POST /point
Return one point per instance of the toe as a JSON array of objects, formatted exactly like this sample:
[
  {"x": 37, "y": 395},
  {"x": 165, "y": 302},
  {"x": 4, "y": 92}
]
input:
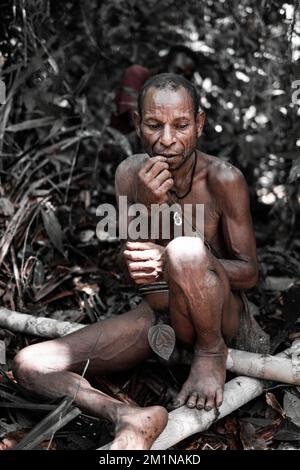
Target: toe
[
  {"x": 210, "y": 403},
  {"x": 191, "y": 403},
  {"x": 219, "y": 398},
  {"x": 181, "y": 398},
  {"x": 200, "y": 403}
]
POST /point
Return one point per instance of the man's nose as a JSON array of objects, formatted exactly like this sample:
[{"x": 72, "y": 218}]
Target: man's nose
[{"x": 167, "y": 137}]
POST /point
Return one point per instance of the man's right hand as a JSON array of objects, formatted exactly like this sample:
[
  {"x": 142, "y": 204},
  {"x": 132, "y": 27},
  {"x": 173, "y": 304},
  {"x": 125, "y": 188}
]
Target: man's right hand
[
  {"x": 144, "y": 261},
  {"x": 154, "y": 181}
]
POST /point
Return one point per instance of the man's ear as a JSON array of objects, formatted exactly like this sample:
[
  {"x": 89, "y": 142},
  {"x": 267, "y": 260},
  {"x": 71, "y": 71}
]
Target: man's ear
[
  {"x": 200, "y": 120},
  {"x": 137, "y": 122}
]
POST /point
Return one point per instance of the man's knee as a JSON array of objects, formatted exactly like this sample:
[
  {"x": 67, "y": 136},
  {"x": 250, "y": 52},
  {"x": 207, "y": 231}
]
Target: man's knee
[
  {"x": 186, "y": 255},
  {"x": 27, "y": 365}
]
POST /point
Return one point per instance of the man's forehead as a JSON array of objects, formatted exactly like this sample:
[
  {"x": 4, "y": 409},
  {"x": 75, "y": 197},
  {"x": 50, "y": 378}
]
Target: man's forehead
[{"x": 157, "y": 100}]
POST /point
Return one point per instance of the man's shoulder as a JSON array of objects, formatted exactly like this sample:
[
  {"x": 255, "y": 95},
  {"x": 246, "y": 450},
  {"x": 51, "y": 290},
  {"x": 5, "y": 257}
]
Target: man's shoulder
[
  {"x": 223, "y": 174},
  {"x": 226, "y": 183}
]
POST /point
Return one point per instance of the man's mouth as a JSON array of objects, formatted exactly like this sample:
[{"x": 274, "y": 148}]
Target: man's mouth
[{"x": 170, "y": 155}]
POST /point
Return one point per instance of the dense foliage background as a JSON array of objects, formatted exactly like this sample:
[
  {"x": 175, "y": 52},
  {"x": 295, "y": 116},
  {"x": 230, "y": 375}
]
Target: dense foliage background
[{"x": 62, "y": 63}]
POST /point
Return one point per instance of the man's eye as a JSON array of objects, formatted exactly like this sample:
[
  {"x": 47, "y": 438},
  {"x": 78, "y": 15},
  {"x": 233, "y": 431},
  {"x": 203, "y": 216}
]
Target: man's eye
[
  {"x": 182, "y": 126},
  {"x": 154, "y": 126}
]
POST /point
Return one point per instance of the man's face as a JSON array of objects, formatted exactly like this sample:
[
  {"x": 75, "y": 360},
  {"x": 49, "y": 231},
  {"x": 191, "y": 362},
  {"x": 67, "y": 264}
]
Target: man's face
[
  {"x": 169, "y": 126},
  {"x": 182, "y": 65}
]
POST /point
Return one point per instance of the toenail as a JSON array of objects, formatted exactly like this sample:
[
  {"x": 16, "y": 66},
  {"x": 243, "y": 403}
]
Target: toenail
[{"x": 208, "y": 408}]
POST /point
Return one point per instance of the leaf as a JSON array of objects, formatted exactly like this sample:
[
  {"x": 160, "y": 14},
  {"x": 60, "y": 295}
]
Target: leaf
[
  {"x": 52, "y": 227},
  {"x": 249, "y": 439},
  {"x": 273, "y": 403},
  {"x": 50, "y": 286},
  {"x": 2, "y": 352},
  {"x": 277, "y": 283},
  {"x": 291, "y": 405},
  {"x": 287, "y": 432},
  {"x": 6, "y": 206},
  {"x": 38, "y": 275},
  {"x": 7, "y": 427},
  {"x": 86, "y": 236},
  {"x": 162, "y": 340},
  {"x": 291, "y": 303},
  {"x": 294, "y": 171},
  {"x": 120, "y": 139},
  {"x": 30, "y": 124}
]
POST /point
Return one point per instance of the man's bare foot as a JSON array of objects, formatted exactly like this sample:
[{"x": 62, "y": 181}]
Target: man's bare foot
[
  {"x": 137, "y": 428},
  {"x": 205, "y": 385}
]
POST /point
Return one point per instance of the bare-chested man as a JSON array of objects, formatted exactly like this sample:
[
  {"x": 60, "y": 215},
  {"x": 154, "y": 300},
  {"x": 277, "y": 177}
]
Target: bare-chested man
[{"x": 203, "y": 297}]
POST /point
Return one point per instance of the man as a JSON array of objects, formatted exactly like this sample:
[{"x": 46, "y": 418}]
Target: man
[
  {"x": 204, "y": 278},
  {"x": 181, "y": 60}
]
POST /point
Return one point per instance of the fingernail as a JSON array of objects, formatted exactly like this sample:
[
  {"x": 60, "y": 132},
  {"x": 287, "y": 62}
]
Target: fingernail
[{"x": 208, "y": 408}]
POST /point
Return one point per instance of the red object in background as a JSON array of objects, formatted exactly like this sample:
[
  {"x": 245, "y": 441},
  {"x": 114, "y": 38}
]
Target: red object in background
[{"x": 134, "y": 77}]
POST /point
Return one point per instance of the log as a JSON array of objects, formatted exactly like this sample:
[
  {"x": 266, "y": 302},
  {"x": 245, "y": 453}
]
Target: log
[
  {"x": 184, "y": 422},
  {"x": 265, "y": 366},
  {"x": 36, "y": 326}
]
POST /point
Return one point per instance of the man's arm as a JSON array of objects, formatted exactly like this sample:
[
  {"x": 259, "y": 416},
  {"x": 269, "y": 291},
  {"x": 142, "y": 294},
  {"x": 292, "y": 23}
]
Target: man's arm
[
  {"x": 236, "y": 221},
  {"x": 140, "y": 260},
  {"x": 124, "y": 184}
]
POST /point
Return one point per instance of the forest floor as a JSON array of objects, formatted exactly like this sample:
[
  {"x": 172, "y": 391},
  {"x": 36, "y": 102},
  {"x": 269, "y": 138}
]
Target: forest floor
[{"x": 70, "y": 275}]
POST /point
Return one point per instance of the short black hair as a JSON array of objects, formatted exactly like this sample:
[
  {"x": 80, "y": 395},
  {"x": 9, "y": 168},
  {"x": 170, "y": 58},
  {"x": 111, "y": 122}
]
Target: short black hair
[{"x": 168, "y": 81}]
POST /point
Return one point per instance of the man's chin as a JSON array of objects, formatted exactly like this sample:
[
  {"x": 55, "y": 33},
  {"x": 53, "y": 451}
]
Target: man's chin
[{"x": 176, "y": 162}]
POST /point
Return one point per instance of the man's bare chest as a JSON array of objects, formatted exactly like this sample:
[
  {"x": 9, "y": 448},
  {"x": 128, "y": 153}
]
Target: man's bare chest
[{"x": 195, "y": 215}]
